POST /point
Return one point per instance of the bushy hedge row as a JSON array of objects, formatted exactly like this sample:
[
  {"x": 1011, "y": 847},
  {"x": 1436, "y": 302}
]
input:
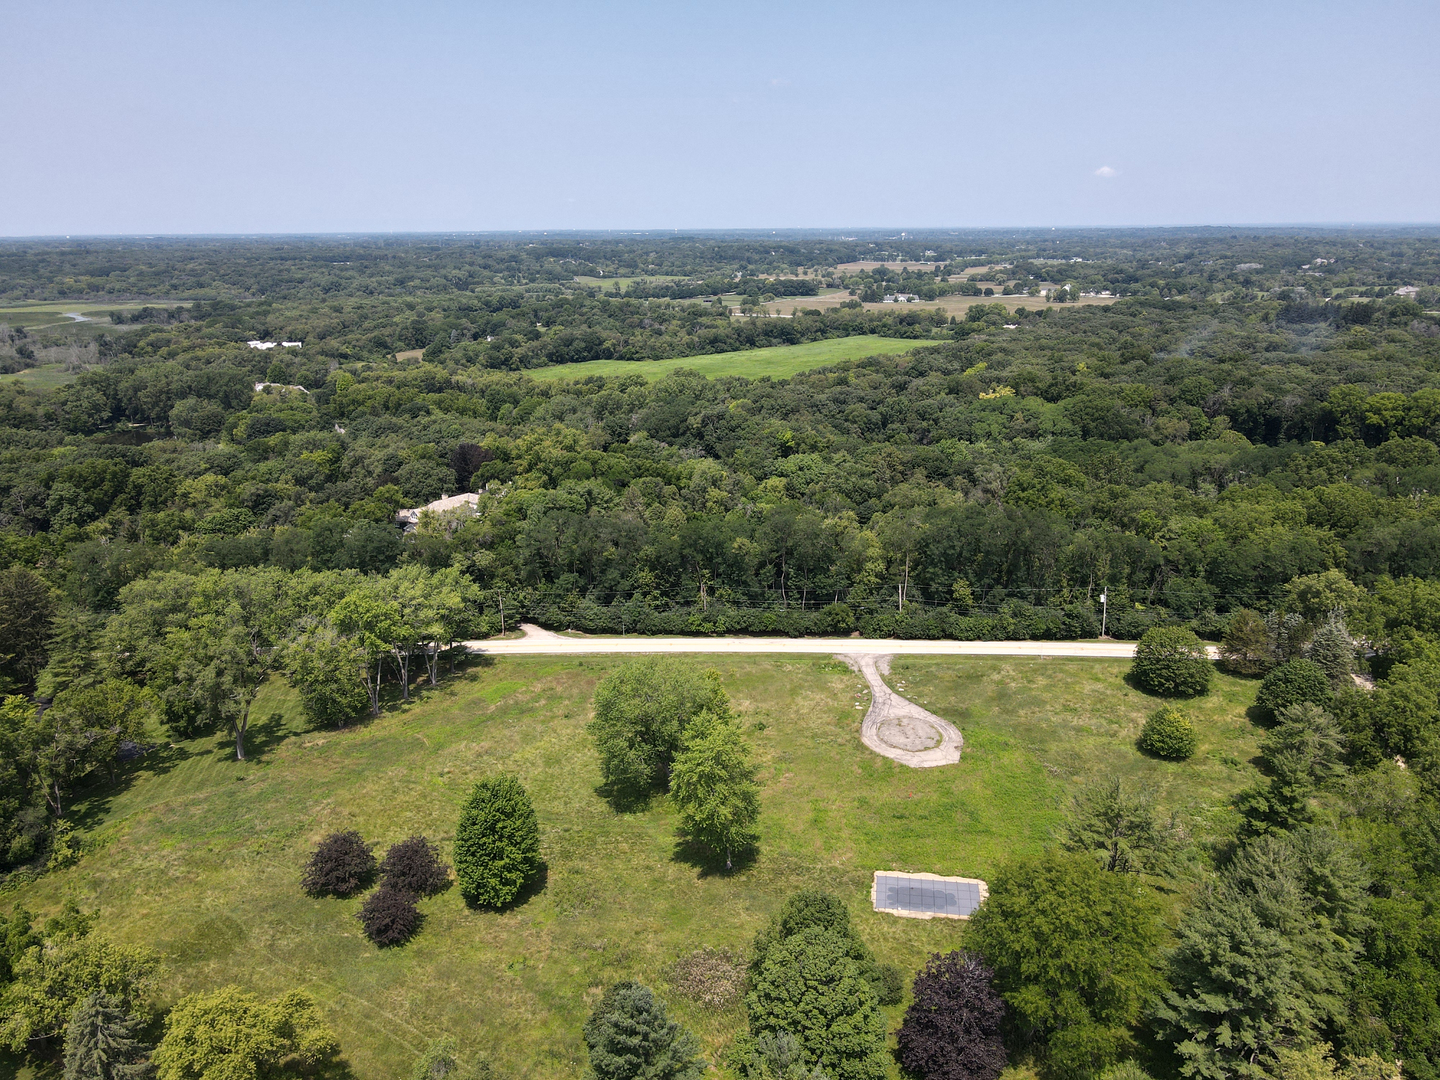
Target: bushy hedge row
[{"x": 1015, "y": 621}]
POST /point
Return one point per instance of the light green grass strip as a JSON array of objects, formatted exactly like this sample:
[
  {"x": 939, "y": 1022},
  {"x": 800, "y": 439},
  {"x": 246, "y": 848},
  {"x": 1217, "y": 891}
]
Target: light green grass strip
[
  {"x": 779, "y": 362},
  {"x": 45, "y": 377}
]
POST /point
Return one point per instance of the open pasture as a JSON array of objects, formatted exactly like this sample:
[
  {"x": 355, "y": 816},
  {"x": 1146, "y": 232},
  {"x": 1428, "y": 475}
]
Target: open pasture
[
  {"x": 44, "y": 377},
  {"x": 40, "y": 314},
  {"x": 198, "y": 856},
  {"x": 779, "y": 362}
]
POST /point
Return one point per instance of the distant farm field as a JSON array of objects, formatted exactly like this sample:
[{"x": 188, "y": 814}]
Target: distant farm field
[
  {"x": 952, "y": 305},
  {"x": 39, "y": 314},
  {"x": 778, "y": 362},
  {"x": 45, "y": 377},
  {"x": 198, "y": 857}
]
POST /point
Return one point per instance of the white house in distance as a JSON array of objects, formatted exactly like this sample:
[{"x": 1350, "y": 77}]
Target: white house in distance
[
  {"x": 263, "y": 345},
  {"x": 410, "y": 518}
]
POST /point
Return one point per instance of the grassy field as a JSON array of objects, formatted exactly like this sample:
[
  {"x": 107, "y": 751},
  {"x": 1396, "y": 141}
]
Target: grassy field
[
  {"x": 198, "y": 856},
  {"x": 779, "y": 362},
  {"x": 950, "y": 305},
  {"x": 38, "y": 314},
  {"x": 45, "y": 377}
]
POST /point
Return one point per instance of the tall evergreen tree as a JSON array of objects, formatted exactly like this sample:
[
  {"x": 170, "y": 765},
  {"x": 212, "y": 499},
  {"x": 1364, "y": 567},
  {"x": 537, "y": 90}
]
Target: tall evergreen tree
[
  {"x": 1119, "y": 826},
  {"x": 100, "y": 1042},
  {"x": 1266, "y": 955}
]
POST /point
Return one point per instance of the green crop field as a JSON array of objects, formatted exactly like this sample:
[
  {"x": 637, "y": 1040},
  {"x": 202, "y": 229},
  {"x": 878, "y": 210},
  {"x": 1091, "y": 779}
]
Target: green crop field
[
  {"x": 39, "y": 314},
  {"x": 44, "y": 377},
  {"x": 198, "y": 856},
  {"x": 780, "y": 361}
]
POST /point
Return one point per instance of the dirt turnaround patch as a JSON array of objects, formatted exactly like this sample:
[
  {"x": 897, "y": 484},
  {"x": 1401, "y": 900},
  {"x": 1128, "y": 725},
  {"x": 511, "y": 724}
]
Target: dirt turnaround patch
[{"x": 898, "y": 728}]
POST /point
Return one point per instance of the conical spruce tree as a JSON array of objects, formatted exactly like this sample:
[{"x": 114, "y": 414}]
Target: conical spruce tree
[
  {"x": 100, "y": 1042},
  {"x": 630, "y": 1036}
]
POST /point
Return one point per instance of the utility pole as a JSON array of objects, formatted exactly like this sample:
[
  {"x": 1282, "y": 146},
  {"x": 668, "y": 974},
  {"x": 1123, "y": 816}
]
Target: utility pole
[
  {"x": 502, "y": 615},
  {"x": 1104, "y": 610}
]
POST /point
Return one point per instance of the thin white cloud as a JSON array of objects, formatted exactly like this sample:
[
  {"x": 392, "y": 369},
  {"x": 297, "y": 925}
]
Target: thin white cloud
[{"x": 1106, "y": 171}]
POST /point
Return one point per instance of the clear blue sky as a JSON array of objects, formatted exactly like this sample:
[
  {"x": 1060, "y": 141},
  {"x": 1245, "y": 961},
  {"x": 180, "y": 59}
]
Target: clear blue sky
[{"x": 228, "y": 117}]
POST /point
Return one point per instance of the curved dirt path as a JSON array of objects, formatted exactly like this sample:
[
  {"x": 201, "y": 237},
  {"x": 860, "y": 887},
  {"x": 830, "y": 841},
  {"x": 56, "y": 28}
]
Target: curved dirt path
[
  {"x": 896, "y": 727},
  {"x": 538, "y": 641}
]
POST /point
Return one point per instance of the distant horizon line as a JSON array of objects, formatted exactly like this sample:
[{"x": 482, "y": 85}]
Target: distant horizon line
[{"x": 895, "y": 232}]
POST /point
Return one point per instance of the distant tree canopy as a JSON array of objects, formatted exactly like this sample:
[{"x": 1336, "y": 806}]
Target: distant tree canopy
[{"x": 1232, "y": 435}]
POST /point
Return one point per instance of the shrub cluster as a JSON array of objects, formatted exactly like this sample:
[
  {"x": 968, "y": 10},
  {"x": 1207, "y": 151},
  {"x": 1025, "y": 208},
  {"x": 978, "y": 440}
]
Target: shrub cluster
[
  {"x": 413, "y": 865},
  {"x": 340, "y": 864},
  {"x": 389, "y": 916},
  {"x": 1169, "y": 734}
]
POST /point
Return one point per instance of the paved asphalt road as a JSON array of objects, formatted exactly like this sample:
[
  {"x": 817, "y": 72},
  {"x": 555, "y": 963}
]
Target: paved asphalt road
[{"x": 543, "y": 642}]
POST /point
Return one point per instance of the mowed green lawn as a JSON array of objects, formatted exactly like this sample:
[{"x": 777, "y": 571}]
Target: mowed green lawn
[
  {"x": 780, "y": 361},
  {"x": 199, "y": 857}
]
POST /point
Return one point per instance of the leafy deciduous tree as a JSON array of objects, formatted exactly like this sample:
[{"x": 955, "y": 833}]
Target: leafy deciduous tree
[
  {"x": 642, "y": 709},
  {"x": 497, "y": 842},
  {"x": 229, "y": 1033},
  {"x": 1073, "y": 949},
  {"x": 951, "y": 1030},
  {"x": 713, "y": 783}
]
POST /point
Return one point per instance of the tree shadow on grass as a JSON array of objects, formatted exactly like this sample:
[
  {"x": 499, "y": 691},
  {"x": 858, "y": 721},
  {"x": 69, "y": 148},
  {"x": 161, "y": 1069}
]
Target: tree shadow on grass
[
  {"x": 707, "y": 862},
  {"x": 626, "y": 800},
  {"x": 265, "y": 736},
  {"x": 88, "y": 806},
  {"x": 531, "y": 889},
  {"x": 1163, "y": 699}
]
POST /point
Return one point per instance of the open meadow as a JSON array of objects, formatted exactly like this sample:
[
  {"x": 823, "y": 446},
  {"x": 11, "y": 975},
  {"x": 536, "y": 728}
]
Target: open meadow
[
  {"x": 779, "y": 362},
  {"x": 954, "y": 304},
  {"x": 44, "y": 377},
  {"x": 41, "y": 314},
  {"x": 198, "y": 857}
]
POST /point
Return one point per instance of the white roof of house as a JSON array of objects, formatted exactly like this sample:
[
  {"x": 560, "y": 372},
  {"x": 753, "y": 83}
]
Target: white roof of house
[{"x": 439, "y": 506}]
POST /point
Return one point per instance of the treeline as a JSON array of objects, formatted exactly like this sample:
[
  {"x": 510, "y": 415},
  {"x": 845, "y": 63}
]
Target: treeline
[{"x": 1169, "y": 262}]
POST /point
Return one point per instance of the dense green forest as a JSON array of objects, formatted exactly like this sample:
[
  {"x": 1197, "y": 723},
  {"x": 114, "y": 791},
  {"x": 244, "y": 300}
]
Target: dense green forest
[{"x": 1244, "y": 444}]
